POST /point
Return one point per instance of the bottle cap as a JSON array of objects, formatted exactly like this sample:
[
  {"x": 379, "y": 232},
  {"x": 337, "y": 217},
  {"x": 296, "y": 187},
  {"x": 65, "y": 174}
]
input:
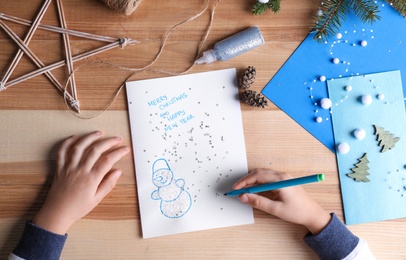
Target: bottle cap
[{"x": 208, "y": 57}]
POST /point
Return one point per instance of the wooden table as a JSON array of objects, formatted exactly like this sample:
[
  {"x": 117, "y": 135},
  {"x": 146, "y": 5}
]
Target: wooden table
[{"x": 34, "y": 119}]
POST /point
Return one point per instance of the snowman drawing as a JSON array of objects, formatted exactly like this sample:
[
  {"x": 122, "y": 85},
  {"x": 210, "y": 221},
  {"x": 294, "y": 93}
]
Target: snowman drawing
[{"x": 175, "y": 201}]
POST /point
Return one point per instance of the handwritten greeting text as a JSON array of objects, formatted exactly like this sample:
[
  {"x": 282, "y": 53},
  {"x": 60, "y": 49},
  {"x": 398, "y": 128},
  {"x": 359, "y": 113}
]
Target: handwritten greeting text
[{"x": 174, "y": 119}]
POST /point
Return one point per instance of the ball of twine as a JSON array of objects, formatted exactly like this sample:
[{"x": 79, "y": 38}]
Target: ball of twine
[{"x": 126, "y": 7}]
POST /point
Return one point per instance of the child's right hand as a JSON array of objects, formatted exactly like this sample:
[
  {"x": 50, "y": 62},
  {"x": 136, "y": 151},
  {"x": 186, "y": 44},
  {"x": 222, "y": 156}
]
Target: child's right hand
[{"x": 291, "y": 204}]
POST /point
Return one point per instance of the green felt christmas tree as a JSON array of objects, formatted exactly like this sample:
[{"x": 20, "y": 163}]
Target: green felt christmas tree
[
  {"x": 360, "y": 171},
  {"x": 385, "y": 139}
]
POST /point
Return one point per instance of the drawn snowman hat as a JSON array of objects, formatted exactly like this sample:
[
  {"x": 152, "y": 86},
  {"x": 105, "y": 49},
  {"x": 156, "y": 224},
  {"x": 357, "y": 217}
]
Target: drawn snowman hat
[{"x": 160, "y": 164}]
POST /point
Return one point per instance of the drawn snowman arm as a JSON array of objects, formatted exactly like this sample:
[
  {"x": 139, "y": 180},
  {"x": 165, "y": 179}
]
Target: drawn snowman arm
[
  {"x": 155, "y": 195},
  {"x": 180, "y": 183}
]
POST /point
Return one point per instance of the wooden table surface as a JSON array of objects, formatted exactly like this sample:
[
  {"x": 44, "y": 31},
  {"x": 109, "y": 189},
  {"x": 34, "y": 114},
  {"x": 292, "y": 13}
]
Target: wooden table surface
[{"x": 34, "y": 119}]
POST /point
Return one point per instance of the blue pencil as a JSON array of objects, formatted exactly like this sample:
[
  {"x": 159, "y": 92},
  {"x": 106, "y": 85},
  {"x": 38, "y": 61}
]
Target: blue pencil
[{"x": 277, "y": 185}]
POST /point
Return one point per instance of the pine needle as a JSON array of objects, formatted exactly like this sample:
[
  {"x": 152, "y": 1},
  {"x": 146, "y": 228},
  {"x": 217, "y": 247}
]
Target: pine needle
[
  {"x": 399, "y": 5},
  {"x": 259, "y": 8},
  {"x": 334, "y": 12},
  {"x": 366, "y": 10}
]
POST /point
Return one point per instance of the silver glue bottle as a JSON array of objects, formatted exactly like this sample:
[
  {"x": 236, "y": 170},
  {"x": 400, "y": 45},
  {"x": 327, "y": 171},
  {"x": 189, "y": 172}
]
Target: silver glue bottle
[{"x": 233, "y": 46}]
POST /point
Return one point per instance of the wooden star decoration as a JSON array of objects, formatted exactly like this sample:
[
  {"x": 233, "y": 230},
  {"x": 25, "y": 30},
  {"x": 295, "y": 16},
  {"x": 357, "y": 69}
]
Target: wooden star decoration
[{"x": 70, "y": 96}]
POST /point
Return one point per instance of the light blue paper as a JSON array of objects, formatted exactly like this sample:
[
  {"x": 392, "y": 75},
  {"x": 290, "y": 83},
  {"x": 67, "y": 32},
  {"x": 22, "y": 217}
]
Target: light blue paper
[
  {"x": 384, "y": 197},
  {"x": 290, "y": 88}
]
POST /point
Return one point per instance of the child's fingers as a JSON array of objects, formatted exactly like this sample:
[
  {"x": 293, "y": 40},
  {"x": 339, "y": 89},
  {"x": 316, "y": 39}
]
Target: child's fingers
[
  {"x": 80, "y": 147},
  {"x": 106, "y": 162},
  {"x": 107, "y": 185},
  {"x": 259, "y": 176},
  {"x": 62, "y": 155},
  {"x": 261, "y": 203},
  {"x": 95, "y": 151}
]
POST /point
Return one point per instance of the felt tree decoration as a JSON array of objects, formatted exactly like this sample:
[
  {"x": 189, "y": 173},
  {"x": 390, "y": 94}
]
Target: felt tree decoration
[
  {"x": 360, "y": 171},
  {"x": 385, "y": 139}
]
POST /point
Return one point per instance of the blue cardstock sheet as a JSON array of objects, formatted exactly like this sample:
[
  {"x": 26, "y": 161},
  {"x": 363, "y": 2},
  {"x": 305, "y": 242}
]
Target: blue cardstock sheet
[
  {"x": 384, "y": 196},
  {"x": 359, "y": 48}
]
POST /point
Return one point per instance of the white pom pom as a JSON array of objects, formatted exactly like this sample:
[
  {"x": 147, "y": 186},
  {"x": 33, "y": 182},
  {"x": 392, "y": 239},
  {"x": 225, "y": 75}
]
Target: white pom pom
[
  {"x": 366, "y": 100},
  {"x": 322, "y": 78},
  {"x": 339, "y": 36},
  {"x": 336, "y": 60},
  {"x": 319, "y": 12},
  {"x": 359, "y": 133},
  {"x": 325, "y": 103},
  {"x": 263, "y": 1},
  {"x": 348, "y": 88},
  {"x": 343, "y": 148},
  {"x": 364, "y": 43},
  {"x": 319, "y": 119},
  {"x": 381, "y": 96}
]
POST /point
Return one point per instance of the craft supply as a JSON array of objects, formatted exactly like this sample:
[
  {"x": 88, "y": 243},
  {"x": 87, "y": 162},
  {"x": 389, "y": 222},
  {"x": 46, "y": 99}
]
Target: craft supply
[
  {"x": 68, "y": 56},
  {"x": 37, "y": 62},
  {"x": 372, "y": 176},
  {"x": 114, "y": 42},
  {"x": 247, "y": 78},
  {"x": 359, "y": 133},
  {"x": 278, "y": 185},
  {"x": 360, "y": 171},
  {"x": 385, "y": 139},
  {"x": 126, "y": 7},
  {"x": 325, "y": 103},
  {"x": 26, "y": 41},
  {"x": 343, "y": 148},
  {"x": 253, "y": 99},
  {"x": 366, "y": 100},
  {"x": 56, "y": 29},
  {"x": 298, "y": 96},
  {"x": 23, "y": 48},
  {"x": 233, "y": 46},
  {"x": 187, "y": 137}
]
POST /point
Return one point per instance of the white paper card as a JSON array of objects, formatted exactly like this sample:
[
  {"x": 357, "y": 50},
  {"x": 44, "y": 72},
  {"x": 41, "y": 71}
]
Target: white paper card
[{"x": 189, "y": 149}]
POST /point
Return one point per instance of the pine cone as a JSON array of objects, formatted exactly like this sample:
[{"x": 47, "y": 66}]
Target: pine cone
[
  {"x": 247, "y": 79},
  {"x": 253, "y": 98}
]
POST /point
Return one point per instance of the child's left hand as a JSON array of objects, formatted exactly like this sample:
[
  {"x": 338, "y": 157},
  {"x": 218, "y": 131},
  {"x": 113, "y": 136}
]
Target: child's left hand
[{"x": 83, "y": 178}]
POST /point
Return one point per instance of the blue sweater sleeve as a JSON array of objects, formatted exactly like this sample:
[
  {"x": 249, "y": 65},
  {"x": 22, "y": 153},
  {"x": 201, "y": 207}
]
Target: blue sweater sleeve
[
  {"x": 38, "y": 243},
  {"x": 335, "y": 241}
]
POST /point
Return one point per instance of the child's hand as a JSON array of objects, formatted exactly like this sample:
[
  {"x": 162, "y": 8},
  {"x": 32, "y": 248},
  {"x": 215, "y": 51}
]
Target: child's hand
[
  {"x": 291, "y": 204},
  {"x": 83, "y": 178}
]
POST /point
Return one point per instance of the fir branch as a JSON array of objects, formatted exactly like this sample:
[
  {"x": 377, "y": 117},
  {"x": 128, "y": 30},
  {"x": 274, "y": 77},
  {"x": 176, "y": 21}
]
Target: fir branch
[
  {"x": 274, "y": 5},
  {"x": 259, "y": 8},
  {"x": 399, "y": 5},
  {"x": 366, "y": 10},
  {"x": 334, "y": 11}
]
